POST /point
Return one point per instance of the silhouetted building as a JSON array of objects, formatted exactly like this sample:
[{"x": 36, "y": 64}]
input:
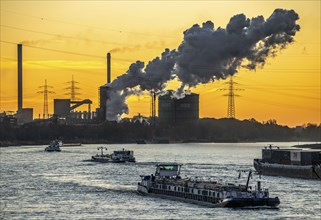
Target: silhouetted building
[
  {"x": 62, "y": 107},
  {"x": 65, "y": 108},
  {"x": 8, "y": 119},
  {"x": 24, "y": 115},
  {"x": 178, "y": 111},
  {"x": 103, "y": 95}
]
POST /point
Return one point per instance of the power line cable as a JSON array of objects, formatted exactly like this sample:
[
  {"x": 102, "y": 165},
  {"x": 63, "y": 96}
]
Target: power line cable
[
  {"x": 67, "y": 52},
  {"x": 88, "y": 26},
  {"x": 70, "y": 37}
]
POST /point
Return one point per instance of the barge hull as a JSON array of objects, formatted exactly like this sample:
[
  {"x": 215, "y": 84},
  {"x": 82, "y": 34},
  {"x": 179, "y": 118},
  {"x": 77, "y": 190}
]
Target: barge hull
[
  {"x": 294, "y": 171},
  {"x": 250, "y": 202},
  {"x": 226, "y": 203}
]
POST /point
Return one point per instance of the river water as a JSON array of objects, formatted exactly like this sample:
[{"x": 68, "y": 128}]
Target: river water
[{"x": 65, "y": 185}]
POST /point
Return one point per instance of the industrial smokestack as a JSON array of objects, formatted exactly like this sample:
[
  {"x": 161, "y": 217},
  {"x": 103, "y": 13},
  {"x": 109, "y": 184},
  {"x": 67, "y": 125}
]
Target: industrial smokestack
[
  {"x": 19, "y": 77},
  {"x": 108, "y": 68}
]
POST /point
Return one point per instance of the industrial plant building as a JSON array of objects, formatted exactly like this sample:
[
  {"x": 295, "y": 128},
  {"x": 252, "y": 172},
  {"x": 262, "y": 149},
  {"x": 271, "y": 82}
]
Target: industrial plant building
[
  {"x": 178, "y": 111},
  {"x": 170, "y": 110},
  {"x": 65, "y": 108}
]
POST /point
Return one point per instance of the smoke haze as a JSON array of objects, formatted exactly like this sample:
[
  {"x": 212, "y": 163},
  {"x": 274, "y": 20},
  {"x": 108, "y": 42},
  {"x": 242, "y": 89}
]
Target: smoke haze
[{"x": 206, "y": 54}]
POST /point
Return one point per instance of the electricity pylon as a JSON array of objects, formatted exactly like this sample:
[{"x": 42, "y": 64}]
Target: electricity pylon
[
  {"x": 45, "y": 93},
  {"x": 231, "y": 94},
  {"x": 73, "y": 89}
]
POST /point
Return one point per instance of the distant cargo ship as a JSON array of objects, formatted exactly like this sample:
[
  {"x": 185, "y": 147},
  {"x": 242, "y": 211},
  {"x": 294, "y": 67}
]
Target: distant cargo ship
[
  {"x": 167, "y": 183},
  {"x": 296, "y": 163}
]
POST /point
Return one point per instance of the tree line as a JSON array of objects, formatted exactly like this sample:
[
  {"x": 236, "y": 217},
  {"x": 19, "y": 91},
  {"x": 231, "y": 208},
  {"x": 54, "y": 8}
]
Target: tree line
[{"x": 203, "y": 130}]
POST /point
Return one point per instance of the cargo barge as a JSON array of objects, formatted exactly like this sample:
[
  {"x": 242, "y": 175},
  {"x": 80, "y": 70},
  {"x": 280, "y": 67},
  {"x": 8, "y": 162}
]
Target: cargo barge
[
  {"x": 296, "y": 163},
  {"x": 118, "y": 156},
  {"x": 167, "y": 183}
]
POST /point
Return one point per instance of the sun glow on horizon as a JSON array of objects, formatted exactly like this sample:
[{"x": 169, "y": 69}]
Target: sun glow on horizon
[{"x": 59, "y": 44}]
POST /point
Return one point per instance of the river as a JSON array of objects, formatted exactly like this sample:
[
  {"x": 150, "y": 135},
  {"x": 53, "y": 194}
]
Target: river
[{"x": 64, "y": 185}]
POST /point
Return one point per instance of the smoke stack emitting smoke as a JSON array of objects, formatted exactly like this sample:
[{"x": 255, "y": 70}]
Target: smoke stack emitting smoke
[{"x": 206, "y": 54}]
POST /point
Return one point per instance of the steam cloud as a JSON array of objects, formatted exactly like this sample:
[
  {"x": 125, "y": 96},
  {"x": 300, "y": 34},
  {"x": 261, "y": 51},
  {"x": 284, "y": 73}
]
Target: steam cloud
[{"x": 206, "y": 54}]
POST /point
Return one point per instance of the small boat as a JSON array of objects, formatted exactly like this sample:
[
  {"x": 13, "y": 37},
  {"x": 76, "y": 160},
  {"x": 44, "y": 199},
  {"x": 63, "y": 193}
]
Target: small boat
[
  {"x": 167, "y": 183},
  {"x": 121, "y": 156},
  {"x": 103, "y": 158},
  {"x": 54, "y": 146},
  {"x": 296, "y": 163}
]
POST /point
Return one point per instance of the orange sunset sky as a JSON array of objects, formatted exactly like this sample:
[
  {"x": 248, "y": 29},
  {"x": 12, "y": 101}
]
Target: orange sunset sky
[{"x": 65, "y": 38}]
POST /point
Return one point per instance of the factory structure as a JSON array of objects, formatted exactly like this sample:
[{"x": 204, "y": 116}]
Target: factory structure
[
  {"x": 24, "y": 115},
  {"x": 65, "y": 108},
  {"x": 171, "y": 110},
  {"x": 103, "y": 93}
]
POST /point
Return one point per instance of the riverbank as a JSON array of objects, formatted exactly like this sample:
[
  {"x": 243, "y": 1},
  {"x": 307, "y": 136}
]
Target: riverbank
[
  {"x": 101, "y": 141},
  {"x": 79, "y": 142},
  {"x": 202, "y": 131},
  {"x": 311, "y": 146}
]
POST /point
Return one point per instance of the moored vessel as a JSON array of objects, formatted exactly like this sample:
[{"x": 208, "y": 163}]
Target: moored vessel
[
  {"x": 296, "y": 163},
  {"x": 167, "y": 183},
  {"x": 71, "y": 144}
]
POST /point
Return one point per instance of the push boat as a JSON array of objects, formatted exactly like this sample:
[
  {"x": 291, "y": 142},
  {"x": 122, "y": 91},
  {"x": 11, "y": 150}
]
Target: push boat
[
  {"x": 120, "y": 156},
  {"x": 167, "y": 183},
  {"x": 295, "y": 163},
  {"x": 54, "y": 146}
]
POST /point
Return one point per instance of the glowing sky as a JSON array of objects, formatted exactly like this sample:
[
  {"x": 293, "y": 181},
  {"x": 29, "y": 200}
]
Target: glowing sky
[{"x": 62, "y": 39}]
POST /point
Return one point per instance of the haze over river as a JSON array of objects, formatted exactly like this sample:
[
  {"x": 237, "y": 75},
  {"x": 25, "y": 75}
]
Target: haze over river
[{"x": 62, "y": 185}]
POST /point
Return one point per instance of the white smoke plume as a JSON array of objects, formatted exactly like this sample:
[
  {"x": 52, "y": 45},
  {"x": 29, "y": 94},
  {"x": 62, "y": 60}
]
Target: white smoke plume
[{"x": 207, "y": 54}]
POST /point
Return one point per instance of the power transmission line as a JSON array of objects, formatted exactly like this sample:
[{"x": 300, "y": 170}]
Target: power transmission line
[
  {"x": 65, "y": 36},
  {"x": 88, "y": 26}
]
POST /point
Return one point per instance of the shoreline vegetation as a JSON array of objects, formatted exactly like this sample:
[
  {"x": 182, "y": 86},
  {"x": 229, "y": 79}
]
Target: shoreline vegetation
[
  {"x": 316, "y": 146},
  {"x": 203, "y": 131}
]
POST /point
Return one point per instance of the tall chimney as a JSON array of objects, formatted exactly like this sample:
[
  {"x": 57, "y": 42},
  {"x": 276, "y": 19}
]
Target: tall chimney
[
  {"x": 19, "y": 77},
  {"x": 108, "y": 68}
]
